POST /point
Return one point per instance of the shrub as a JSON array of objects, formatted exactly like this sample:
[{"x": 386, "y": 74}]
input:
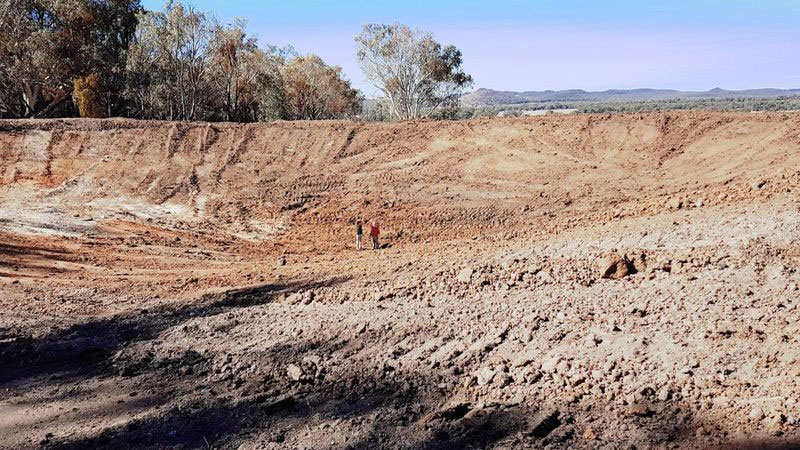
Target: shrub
[{"x": 87, "y": 96}]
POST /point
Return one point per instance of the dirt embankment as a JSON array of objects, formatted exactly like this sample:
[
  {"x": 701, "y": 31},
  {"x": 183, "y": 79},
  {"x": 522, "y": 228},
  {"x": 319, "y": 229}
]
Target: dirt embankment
[
  {"x": 262, "y": 181},
  {"x": 582, "y": 281}
]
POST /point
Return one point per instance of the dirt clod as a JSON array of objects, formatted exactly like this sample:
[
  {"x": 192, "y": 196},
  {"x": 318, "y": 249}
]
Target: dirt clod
[{"x": 615, "y": 266}]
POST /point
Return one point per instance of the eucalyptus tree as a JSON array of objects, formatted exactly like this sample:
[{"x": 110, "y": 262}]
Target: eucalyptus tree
[
  {"x": 168, "y": 63},
  {"x": 315, "y": 90},
  {"x": 45, "y": 45},
  {"x": 415, "y": 73}
]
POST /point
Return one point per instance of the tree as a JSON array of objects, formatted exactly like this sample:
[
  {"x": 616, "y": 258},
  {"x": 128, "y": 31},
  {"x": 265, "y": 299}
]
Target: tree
[
  {"x": 46, "y": 44},
  {"x": 185, "y": 66},
  {"x": 31, "y": 47},
  {"x": 246, "y": 79},
  {"x": 167, "y": 64},
  {"x": 86, "y": 95},
  {"x": 415, "y": 73},
  {"x": 112, "y": 57},
  {"x": 315, "y": 90},
  {"x": 117, "y": 20}
]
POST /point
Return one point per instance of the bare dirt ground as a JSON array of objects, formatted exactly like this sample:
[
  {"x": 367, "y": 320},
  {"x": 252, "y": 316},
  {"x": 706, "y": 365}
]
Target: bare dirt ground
[{"x": 625, "y": 281}]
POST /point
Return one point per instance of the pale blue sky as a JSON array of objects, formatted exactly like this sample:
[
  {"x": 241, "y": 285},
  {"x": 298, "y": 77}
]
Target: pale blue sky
[{"x": 556, "y": 44}]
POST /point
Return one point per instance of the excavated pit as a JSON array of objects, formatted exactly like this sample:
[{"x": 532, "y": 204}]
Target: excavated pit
[{"x": 196, "y": 285}]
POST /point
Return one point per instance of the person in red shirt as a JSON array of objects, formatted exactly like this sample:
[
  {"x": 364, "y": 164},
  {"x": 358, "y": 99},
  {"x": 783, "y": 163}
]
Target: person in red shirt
[{"x": 374, "y": 232}]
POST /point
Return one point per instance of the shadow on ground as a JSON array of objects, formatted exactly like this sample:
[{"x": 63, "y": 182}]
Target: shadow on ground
[
  {"x": 85, "y": 348},
  {"x": 198, "y": 412},
  {"x": 364, "y": 406},
  {"x": 370, "y": 410},
  {"x": 17, "y": 259}
]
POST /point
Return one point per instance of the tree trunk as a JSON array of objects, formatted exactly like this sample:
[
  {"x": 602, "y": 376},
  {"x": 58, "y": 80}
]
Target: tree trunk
[
  {"x": 53, "y": 105},
  {"x": 30, "y": 97}
]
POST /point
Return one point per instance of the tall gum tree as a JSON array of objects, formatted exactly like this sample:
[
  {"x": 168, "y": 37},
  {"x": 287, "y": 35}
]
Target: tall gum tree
[
  {"x": 47, "y": 44},
  {"x": 414, "y": 72}
]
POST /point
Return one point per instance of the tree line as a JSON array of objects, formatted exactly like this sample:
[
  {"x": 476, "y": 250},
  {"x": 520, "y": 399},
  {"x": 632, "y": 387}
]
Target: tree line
[
  {"x": 113, "y": 58},
  {"x": 744, "y": 104}
]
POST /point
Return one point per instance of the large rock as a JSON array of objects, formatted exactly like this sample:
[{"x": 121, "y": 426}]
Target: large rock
[
  {"x": 465, "y": 275},
  {"x": 615, "y": 266},
  {"x": 294, "y": 372},
  {"x": 640, "y": 410},
  {"x": 549, "y": 366},
  {"x": 485, "y": 376},
  {"x": 544, "y": 422}
]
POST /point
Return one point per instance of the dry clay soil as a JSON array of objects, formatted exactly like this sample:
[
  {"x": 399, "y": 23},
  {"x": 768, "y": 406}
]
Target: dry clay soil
[{"x": 587, "y": 281}]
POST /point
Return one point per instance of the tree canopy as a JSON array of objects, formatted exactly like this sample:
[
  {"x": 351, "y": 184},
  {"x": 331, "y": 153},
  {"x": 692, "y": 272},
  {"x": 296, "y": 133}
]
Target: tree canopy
[
  {"x": 315, "y": 90},
  {"x": 413, "y": 71},
  {"x": 97, "y": 58},
  {"x": 102, "y": 58},
  {"x": 47, "y": 44}
]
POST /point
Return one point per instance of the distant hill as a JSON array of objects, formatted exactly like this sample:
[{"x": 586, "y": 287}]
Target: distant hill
[{"x": 488, "y": 97}]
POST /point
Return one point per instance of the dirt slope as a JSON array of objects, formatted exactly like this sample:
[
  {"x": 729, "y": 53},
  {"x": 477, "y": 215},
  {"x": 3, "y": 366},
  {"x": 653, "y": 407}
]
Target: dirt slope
[
  {"x": 193, "y": 284},
  {"x": 260, "y": 181}
]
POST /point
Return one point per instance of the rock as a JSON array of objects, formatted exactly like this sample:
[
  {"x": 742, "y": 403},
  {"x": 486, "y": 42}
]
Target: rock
[
  {"x": 675, "y": 203},
  {"x": 775, "y": 422},
  {"x": 545, "y": 277},
  {"x": 615, "y": 266},
  {"x": 485, "y": 376},
  {"x": 534, "y": 269},
  {"x": 698, "y": 203},
  {"x": 465, "y": 275},
  {"x": 295, "y": 298},
  {"x": 639, "y": 263},
  {"x": 549, "y": 366},
  {"x": 545, "y": 423},
  {"x": 756, "y": 414},
  {"x": 523, "y": 359},
  {"x": 531, "y": 376},
  {"x": 282, "y": 260},
  {"x": 454, "y": 411},
  {"x": 294, "y": 372},
  {"x": 592, "y": 340},
  {"x": 758, "y": 185},
  {"x": 639, "y": 410},
  {"x": 589, "y": 434}
]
